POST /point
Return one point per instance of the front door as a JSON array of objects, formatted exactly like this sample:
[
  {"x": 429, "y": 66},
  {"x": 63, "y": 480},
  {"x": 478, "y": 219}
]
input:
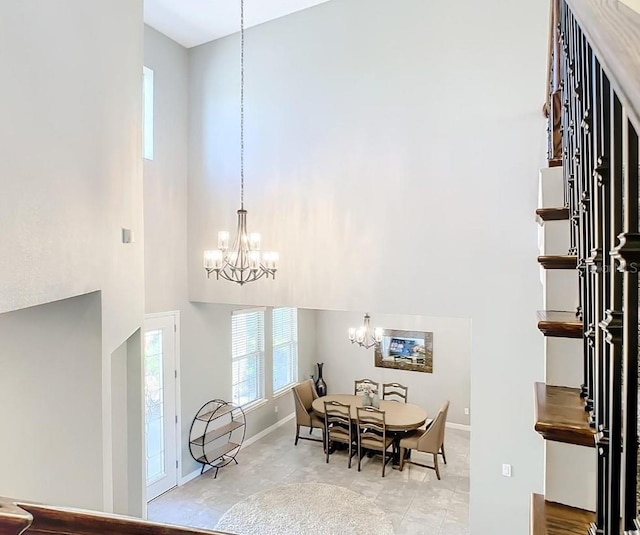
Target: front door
[{"x": 160, "y": 376}]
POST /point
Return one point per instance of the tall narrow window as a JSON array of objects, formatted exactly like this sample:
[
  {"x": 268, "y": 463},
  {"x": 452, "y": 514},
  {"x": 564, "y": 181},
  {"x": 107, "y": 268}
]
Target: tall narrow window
[
  {"x": 247, "y": 353},
  {"x": 147, "y": 113},
  {"x": 285, "y": 348}
]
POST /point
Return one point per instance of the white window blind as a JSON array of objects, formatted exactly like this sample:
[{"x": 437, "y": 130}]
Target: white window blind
[
  {"x": 247, "y": 353},
  {"x": 285, "y": 347}
]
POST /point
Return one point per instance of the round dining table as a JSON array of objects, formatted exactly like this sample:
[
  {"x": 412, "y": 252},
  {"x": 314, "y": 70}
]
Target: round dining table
[{"x": 398, "y": 416}]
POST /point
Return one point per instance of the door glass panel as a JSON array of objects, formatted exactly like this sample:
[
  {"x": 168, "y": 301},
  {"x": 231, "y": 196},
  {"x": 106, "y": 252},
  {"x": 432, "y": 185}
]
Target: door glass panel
[{"x": 153, "y": 401}]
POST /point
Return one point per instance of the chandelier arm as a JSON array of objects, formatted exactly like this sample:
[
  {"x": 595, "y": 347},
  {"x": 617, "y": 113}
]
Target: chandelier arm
[
  {"x": 366, "y": 345},
  {"x": 253, "y": 275}
]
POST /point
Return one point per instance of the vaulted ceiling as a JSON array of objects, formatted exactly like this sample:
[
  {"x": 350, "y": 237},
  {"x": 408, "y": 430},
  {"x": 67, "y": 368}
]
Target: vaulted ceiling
[{"x": 193, "y": 22}]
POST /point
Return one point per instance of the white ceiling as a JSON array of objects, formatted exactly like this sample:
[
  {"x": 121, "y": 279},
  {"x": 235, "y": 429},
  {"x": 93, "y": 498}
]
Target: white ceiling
[{"x": 193, "y": 22}]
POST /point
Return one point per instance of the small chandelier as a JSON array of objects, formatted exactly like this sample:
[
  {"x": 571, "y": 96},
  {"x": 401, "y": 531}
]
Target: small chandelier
[
  {"x": 242, "y": 262},
  {"x": 364, "y": 336}
]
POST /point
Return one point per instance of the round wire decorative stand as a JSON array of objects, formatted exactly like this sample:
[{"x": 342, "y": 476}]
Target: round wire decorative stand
[{"x": 216, "y": 434}]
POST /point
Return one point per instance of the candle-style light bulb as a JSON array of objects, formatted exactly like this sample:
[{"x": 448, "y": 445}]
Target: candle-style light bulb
[
  {"x": 270, "y": 260},
  {"x": 377, "y": 334},
  {"x": 223, "y": 240},
  {"x": 254, "y": 241},
  {"x": 254, "y": 259},
  {"x": 208, "y": 260}
]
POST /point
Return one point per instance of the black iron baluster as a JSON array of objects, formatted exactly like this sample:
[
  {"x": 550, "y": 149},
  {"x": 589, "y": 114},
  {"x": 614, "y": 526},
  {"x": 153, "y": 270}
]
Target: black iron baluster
[
  {"x": 586, "y": 173},
  {"x": 613, "y": 329},
  {"x": 628, "y": 255},
  {"x": 600, "y": 90}
]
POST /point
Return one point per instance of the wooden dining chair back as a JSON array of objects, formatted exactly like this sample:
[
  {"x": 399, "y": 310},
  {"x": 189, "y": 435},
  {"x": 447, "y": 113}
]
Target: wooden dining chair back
[
  {"x": 338, "y": 426},
  {"x": 303, "y": 394},
  {"x": 429, "y": 440},
  {"x": 359, "y": 382},
  {"x": 395, "y": 392},
  {"x": 372, "y": 434}
]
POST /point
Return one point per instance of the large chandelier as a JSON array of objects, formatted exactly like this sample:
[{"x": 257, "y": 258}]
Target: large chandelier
[
  {"x": 364, "y": 336},
  {"x": 242, "y": 262}
]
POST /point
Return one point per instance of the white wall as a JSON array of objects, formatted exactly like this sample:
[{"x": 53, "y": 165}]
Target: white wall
[
  {"x": 344, "y": 362},
  {"x": 120, "y": 430},
  {"x": 70, "y": 160},
  {"x": 205, "y": 345},
  {"x": 206, "y": 372},
  {"x": 50, "y": 394},
  {"x": 127, "y": 436},
  {"x": 165, "y": 177},
  {"x": 135, "y": 432},
  {"x": 70, "y": 167},
  {"x": 391, "y": 159}
]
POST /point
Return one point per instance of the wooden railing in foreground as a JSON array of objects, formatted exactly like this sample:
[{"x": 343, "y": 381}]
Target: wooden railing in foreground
[
  {"x": 28, "y": 518},
  {"x": 553, "y": 102},
  {"x": 596, "y": 58}
]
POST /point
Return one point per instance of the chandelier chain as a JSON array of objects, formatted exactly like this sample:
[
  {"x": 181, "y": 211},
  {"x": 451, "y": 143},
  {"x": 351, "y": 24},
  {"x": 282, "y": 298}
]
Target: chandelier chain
[
  {"x": 240, "y": 261},
  {"x": 242, "y": 104}
]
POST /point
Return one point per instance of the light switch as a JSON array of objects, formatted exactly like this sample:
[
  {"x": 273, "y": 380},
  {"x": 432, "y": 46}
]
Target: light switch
[{"x": 127, "y": 235}]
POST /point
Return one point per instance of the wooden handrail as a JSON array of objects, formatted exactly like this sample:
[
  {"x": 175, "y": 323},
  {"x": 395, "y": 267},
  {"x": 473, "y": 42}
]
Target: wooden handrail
[
  {"x": 613, "y": 31},
  {"x": 553, "y": 55},
  {"x": 29, "y": 518},
  {"x": 13, "y": 519},
  {"x": 552, "y": 108}
]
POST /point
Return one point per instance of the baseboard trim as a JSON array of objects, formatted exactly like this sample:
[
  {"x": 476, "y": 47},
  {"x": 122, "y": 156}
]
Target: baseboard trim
[
  {"x": 268, "y": 430},
  {"x": 184, "y": 480},
  {"x": 461, "y": 427}
]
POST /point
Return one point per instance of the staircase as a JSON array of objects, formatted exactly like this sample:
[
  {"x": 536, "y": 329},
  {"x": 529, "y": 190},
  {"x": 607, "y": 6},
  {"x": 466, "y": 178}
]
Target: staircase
[
  {"x": 586, "y": 410},
  {"x": 560, "y": 415}
]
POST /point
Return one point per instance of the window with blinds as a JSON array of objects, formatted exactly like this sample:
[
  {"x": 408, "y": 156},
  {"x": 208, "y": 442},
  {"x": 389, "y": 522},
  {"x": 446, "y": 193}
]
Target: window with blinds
[
  {"x": 247, "y": 353},
  {"x": 285, "y": 348}
]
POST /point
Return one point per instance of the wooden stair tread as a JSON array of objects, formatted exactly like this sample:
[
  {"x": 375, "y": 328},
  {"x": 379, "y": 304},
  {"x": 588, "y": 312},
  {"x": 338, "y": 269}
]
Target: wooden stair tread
[
  {"x": 550, "y": 518},
  {"x": 559, "y": 324},
  {"x": 560, "y": 415},
  {"x": 558, "y": 261},
  {"x": 552, "y": 214}
]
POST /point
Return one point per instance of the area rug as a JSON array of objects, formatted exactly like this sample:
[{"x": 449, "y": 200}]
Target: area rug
[{"x": 307, "y": 508}]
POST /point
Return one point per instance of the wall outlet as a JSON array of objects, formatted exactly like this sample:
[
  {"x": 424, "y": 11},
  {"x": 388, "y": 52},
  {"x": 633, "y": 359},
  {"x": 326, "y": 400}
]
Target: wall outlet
[
  {"x": 506, "y": 470},
  {"x": 276, "y": 409},
  {"x": 466, "y": 411}
]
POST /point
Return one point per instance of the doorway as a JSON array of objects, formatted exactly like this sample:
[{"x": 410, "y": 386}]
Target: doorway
[{"x": 161, "y": 402}]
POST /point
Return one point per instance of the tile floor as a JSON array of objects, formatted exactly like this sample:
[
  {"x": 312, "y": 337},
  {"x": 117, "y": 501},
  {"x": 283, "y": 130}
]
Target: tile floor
[{"x": 414, "y": 500}]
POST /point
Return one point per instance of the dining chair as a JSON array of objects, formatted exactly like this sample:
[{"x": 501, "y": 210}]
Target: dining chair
[
  {"x": 304, "y": 393},
  {"x": 338, "y": 426},
  {"x": 372, "y": 434},
  {"x": 391, "y": 391},
  {"x": 429, "y": 440},
  {"x": 358, "y": 382}
]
